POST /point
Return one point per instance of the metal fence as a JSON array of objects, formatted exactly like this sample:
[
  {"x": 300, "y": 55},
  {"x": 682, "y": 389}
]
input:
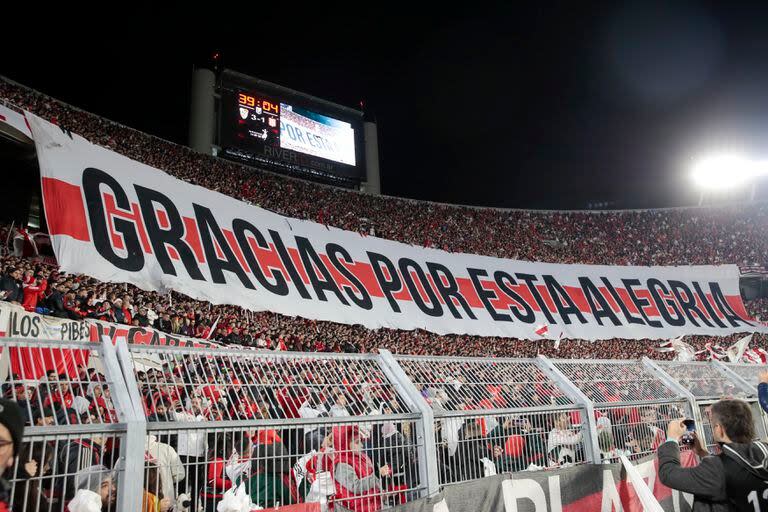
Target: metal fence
[
  {"x": 80, "y": 424},
  {"x": 175, "y": 428},
  {"x": 497, "y": 415},
  {"x": 708, "y": 383},
  {"x": 632, "y": 403},
  {"x": 280, "y": 423}
]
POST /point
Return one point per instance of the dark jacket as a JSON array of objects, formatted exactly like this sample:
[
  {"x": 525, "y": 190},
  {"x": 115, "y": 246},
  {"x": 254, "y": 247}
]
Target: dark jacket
[
  {"x": 720, "y": 483},
  {"x": 13, "y": 287},
  {"x": 762, "y": 394}
]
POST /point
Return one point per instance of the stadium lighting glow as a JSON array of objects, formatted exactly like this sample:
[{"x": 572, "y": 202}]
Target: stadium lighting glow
[{"x": 726, "y": 171}]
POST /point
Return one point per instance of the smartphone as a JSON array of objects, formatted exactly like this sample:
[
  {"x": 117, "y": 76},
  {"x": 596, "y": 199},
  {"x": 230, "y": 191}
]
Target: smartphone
[{"x": 690, "y": 426}]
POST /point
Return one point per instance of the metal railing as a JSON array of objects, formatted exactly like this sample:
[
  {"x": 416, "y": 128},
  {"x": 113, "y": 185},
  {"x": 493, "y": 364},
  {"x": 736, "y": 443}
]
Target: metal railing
[
  {"x": 81, "y": 426},
  {"x": 708, "y": 383},
  {"x": 497, "y": 415},
  {"x": 175, "y": 428}
]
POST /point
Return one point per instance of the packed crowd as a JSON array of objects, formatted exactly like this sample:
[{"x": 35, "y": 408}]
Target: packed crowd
[
  {"x": 41, "y": 287},
  {"x": 736, "y": 234},
  {"x": 355, "y": 429}
]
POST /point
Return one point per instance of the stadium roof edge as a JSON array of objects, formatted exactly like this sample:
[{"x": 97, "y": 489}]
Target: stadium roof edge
[{"x": 453, "y": 205}]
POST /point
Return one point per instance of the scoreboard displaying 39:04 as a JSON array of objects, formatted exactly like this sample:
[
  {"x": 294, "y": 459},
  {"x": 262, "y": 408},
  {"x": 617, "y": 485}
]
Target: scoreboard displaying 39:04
[{"x": 259, "y": 119}]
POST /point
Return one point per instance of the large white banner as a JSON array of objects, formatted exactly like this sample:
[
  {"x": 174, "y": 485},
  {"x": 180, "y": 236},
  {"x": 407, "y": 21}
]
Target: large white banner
[{"x": 120, "y": 220}]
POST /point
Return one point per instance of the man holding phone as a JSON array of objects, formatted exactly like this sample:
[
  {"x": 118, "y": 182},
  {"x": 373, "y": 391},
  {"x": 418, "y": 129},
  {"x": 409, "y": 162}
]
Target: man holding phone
[{"x": 734, "y": 480}]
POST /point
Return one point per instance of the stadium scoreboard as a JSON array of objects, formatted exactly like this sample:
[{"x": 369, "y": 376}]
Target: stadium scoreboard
[{"x": 290, "y": 131}]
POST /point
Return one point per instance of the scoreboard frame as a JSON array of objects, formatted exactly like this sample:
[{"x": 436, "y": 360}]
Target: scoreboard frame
[{"x": 234, "y": 87}]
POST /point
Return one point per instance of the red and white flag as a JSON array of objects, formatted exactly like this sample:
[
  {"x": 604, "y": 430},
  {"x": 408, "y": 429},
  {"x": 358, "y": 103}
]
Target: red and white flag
[
  {"x": 756, "y": 356},
  {"x": 736, "y": 351},
  {"x": 542, "y": 330}
]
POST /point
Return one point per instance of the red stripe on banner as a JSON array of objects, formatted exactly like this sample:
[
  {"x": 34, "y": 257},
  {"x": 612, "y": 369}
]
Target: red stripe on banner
[
  {"x": 650, "y": 309},
  {"x": 268, "y": 259},
  {"x": 3, "y": 118},
  {"x": 139, "y": 220},
  {"x": 112, "y": 210},
  {"x": 232, "y": 241},
  {"x": 609, "y": 299},
  {"x": 65, "y": 209},
  {"x": 173, "y": 253},
  {"x": 162, "y": 219},
  {"x": 546, "y": 297},
  {"x": 434, "y": 288},
  {"x": 67, "y": 217},
  {"x": 192, "y": 238},
  {"x": 624, "y": 296},
  {"x": 711, "y": 300},
  {"x": 525, "y": 294},
  {"x": 294, "y": 253},
  {"x": 217, "y": 248},
  {"x": 700, "y": 305},
  {"x": 403, "y": 294},
  {"x": 468, "y": 292},
  {"x": 419, "y": 287},
  {"x": 502, "y": 302},
  {"x": 364, "y": 273},
  {"x": 577, "y": 296},
  {"x": 339, "y": 279},
  {"x": 737, "y": 305}
]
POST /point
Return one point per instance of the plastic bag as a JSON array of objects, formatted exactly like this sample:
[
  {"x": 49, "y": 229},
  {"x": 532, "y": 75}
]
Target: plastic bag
[
  {"x": 85, "y": 501},
  {"x": 321, "y": 488},
  {"x": 489, "y": 468},
  {"x": 236, "y": 500}
]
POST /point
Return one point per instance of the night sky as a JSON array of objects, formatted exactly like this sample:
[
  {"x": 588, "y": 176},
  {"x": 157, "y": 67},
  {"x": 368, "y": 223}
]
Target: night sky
[{"x": 553, "y": 106}]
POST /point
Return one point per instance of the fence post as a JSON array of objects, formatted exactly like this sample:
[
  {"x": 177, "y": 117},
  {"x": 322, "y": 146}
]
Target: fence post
[
  {"x": 428, "y": 472},
  {"x": 131, "y": 483},
  {"x": 592, "y": 447},
  {"x": 673, "y": 384}
]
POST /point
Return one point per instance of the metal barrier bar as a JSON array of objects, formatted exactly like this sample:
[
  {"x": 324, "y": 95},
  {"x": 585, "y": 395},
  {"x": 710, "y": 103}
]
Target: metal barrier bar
[
  {"x": 427, "y": 454},
  {"x": 75, "y": 403},
  {"x": 591, "y": 440},
  {"x": 129, "y": 493}
]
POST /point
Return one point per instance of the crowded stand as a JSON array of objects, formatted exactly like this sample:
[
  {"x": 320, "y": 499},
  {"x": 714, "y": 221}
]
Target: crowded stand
[
  {"x": 695, "y": 236},
  {"x": 328, "y": 412}
]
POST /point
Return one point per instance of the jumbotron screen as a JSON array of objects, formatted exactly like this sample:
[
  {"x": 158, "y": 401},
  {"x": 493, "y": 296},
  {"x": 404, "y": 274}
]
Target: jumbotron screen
[{"x": 277, "y": 130}]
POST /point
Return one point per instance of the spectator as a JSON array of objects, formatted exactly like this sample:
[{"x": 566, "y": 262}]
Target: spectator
[
  {"x": 269, "y": 476},
  {"x": 358, "y": 489},
  {"x": 95, "y": 485},
  {"x": 563, "y": 444},
  {"x": 35, "y": 463},
  {"x": 169, "y": 469},
  {"x": 11, "y": 288},
  {"x": 34, "y": 289},
  {"x": 152, "y": 499},
  {"x": 11, "y": 434}
]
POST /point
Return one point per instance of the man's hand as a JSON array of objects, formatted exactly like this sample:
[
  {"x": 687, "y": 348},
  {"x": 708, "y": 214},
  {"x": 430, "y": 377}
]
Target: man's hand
[
  {"x": 764, "y": 377},
  {"x": 676, "y": 429},
  {"x": 165, "y": 505},
  {"x": 698, "y": 447},
  {"x": 385, "y": 470},
  {"x": 31, "y": 467}
]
